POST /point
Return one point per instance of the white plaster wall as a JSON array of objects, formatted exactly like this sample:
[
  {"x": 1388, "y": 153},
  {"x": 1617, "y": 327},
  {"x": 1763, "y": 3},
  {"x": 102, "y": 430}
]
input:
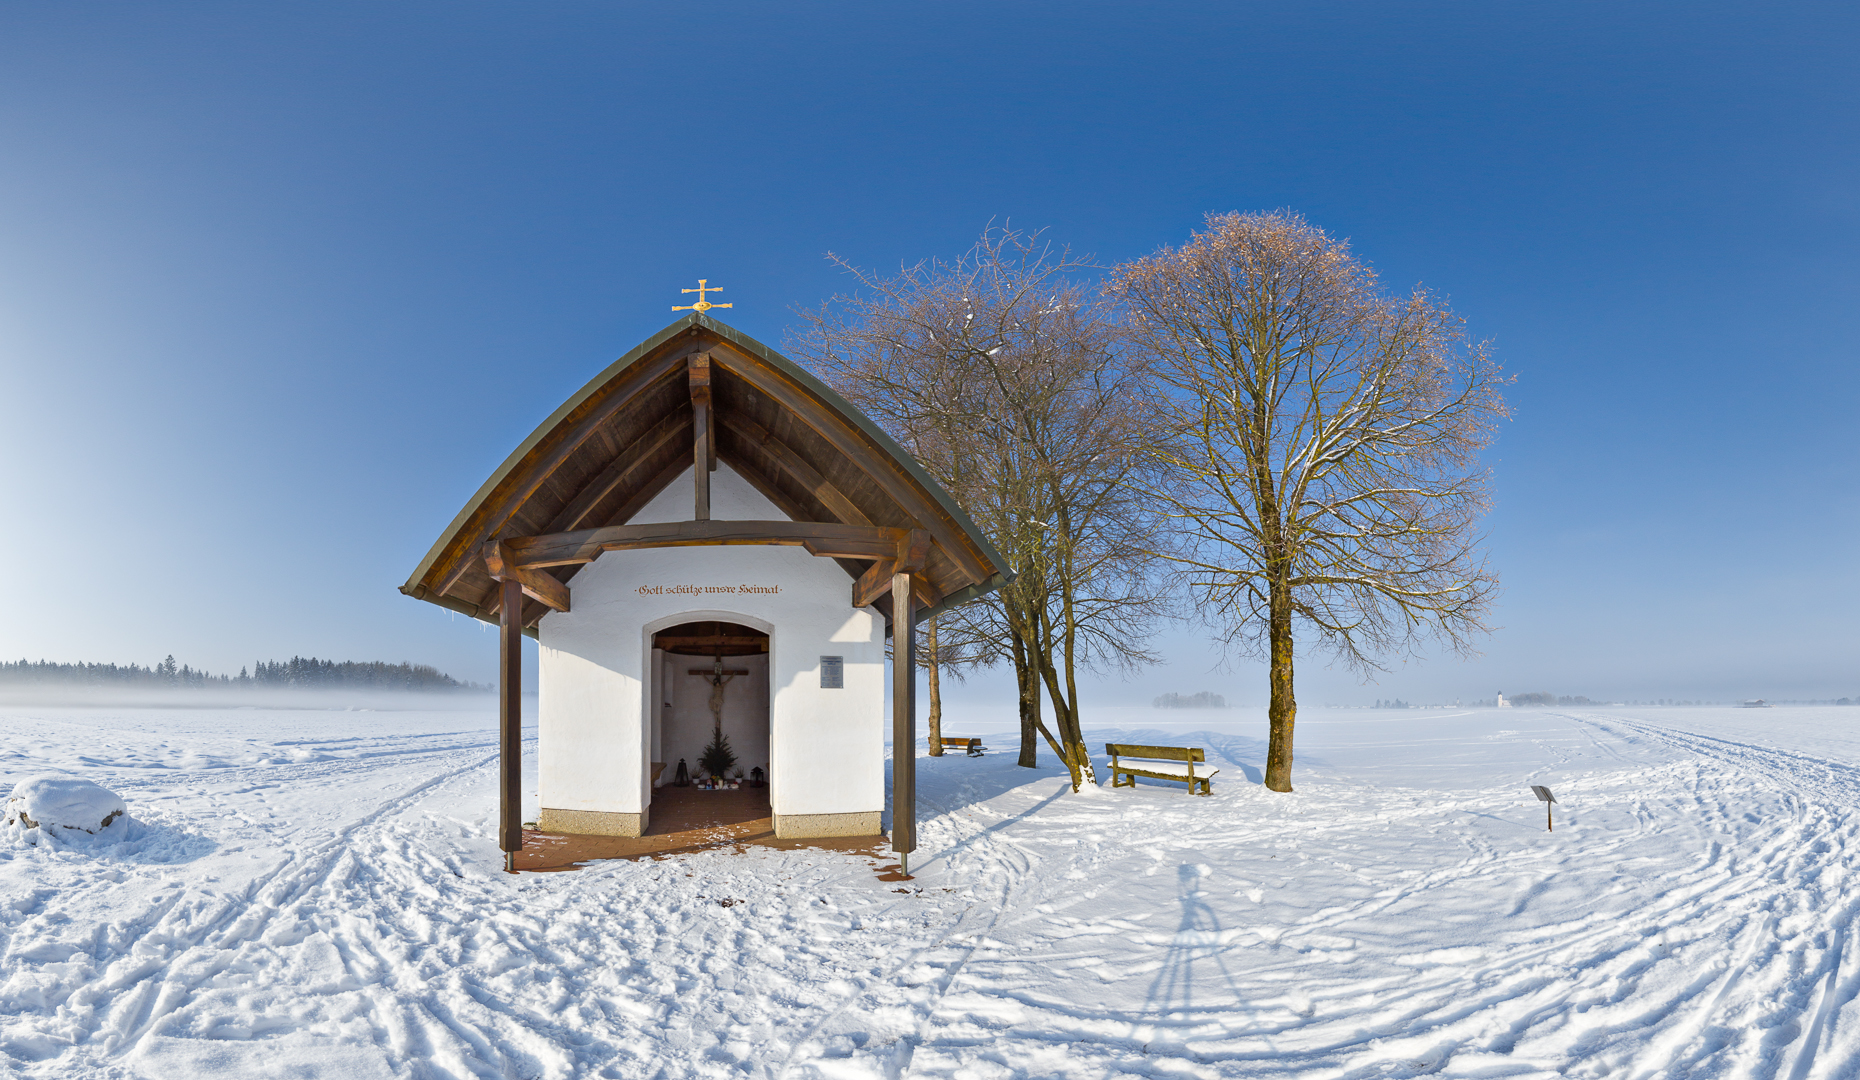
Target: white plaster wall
[{"x": 826, "y": 747}]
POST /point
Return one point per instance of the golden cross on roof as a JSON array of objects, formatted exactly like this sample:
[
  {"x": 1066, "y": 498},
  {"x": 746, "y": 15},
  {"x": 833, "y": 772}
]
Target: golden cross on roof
[{"x": 702, "y": 304}]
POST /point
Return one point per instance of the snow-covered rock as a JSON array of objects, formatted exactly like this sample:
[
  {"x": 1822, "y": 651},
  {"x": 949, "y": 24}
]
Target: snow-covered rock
[{"x": 55, "y": 803}]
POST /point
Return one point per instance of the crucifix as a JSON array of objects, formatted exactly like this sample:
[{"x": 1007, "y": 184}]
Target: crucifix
[{"x": 717, "y": 675}]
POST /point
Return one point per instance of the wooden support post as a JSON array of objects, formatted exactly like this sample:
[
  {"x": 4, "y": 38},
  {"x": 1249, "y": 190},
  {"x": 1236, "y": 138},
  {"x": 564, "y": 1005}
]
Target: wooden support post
[
  {"x": 703, "y": 456},
  {"x": 510, "y": 721},
  {"x": 903, "y": 721}
]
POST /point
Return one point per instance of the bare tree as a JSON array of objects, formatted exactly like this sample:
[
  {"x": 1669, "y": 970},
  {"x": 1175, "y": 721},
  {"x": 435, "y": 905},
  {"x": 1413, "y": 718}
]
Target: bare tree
[
  {"x": 1323, "y": 439},
  {"x": 1002, "y": 375}
]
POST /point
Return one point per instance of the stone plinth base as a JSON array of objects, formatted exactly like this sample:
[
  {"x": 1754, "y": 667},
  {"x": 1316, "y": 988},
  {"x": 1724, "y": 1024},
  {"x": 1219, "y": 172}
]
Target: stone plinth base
[
  {"x": 591, "y": 823},
  {"x": 804, "y": 826}
]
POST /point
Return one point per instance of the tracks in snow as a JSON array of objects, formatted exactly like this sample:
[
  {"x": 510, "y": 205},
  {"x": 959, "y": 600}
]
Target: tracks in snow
[
  {"x": 207, "y": 946},
  {"x": 1804, "y": 874},
  {"x": 1686, "y": 919},
  {"x": 916, "y": 983}
]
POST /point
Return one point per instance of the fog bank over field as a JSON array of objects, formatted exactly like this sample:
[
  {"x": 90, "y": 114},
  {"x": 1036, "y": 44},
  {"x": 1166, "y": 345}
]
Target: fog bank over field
[
  {"x": 253, "y": 697},
  {"x": 306, "y": 683}
]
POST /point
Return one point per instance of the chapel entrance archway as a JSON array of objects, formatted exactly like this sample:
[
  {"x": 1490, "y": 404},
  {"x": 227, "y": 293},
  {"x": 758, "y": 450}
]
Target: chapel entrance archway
[{"x": 713, "y": 682}]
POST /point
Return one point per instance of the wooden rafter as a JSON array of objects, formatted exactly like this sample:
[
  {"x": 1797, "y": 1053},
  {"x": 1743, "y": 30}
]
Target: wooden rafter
[
  {"x": 819, "y": 538},
  {"x": 870, "y": 460},
  {"x": 752, "y": 471},
  {"x": 640, "y": 499},
  {"x": 496, "y": 511},
  {"x": 759, "y": 440},
  {"x": 875, "y": 580},
  {"x": 627, "y": 466}
]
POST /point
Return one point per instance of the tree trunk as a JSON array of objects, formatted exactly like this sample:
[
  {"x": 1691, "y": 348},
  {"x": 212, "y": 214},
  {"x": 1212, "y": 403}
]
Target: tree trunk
[
  {"x": 936, "y": 689},
  {"x": 1065, "y": 718},
  {"x": 1072, "y": 745},
  {"x": 1028, "y": 682},
  {"x": 1073, "y": 730},
  {"x": 1283, "y": 711},
  {"x": 1040, "y": 648}
]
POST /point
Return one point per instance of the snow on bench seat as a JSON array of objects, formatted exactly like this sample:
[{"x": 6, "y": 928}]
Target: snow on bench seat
[
  {"x": 1178, "y": 770},
  {"x": 1159, "y": 763}
]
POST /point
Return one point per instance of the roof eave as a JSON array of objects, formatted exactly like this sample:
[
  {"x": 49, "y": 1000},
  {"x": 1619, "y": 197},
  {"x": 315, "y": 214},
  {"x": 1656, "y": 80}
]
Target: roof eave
[
  {"x": 606, "y": 375},
  {"x": 416, "y": 588}
]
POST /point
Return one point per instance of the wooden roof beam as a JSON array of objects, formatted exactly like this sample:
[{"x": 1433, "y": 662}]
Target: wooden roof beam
[
  {"x": 753, "y": 471},
  {"x": 519, "y": 486},
  {"x": 758, "y": 438},
  {"x": 625, "y": 468},
  {"x": 819, "y": 538}
]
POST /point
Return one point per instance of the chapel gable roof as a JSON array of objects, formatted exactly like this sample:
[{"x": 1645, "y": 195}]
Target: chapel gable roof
[{"x": 629, "y": 433}]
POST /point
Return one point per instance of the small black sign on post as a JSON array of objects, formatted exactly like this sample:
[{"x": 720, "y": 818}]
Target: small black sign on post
[{"x": 1544, "y": 796}]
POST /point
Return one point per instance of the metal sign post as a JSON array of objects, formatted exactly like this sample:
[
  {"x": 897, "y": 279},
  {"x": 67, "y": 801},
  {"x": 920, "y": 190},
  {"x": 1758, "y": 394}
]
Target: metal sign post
[{"x": 1544, "y": 796}]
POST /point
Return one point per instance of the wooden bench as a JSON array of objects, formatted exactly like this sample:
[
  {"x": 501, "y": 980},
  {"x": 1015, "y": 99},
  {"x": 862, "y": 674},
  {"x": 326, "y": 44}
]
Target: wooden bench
[
  {"x": 973, "y": 746},
  {"x": 1159, "y": 763}
]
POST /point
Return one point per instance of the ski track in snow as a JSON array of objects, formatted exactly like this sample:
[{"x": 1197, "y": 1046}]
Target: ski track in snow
[{"x": 318, "y": 894}]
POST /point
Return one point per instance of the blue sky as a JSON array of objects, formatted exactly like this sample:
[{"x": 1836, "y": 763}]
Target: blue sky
[{"x": 281, "y": 284}]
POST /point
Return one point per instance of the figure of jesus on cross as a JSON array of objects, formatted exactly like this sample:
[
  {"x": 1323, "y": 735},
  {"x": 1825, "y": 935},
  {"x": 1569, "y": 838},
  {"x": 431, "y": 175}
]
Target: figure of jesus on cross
[{"x": 718, "y": 676}]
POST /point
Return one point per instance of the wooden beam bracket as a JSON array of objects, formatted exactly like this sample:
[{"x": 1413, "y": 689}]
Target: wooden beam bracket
[
  {"x": 913, "y": 551},
  {"x": 537, "y": 585}
]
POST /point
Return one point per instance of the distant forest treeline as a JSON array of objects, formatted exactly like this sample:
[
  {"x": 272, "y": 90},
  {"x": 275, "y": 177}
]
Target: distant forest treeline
[{"x": 297, "y": 673}]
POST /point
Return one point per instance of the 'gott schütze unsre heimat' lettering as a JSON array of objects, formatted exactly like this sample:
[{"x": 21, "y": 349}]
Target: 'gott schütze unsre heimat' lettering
[{"x": 696, "y": 590}]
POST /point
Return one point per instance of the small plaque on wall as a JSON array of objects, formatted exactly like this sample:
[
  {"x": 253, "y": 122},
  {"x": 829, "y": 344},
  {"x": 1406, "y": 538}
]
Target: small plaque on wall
[{"x": 832, "y": 673}]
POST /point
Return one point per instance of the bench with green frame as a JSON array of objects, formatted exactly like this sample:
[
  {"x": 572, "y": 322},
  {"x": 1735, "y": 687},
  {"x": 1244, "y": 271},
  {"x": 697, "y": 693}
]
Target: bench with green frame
[
  {"x": 973, "y": 746},
  {"x": 1159, "y": 763}
]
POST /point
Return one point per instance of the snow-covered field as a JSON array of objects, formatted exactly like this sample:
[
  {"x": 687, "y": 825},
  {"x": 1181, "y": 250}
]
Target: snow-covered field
[{"x": 310, "y": 893}]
